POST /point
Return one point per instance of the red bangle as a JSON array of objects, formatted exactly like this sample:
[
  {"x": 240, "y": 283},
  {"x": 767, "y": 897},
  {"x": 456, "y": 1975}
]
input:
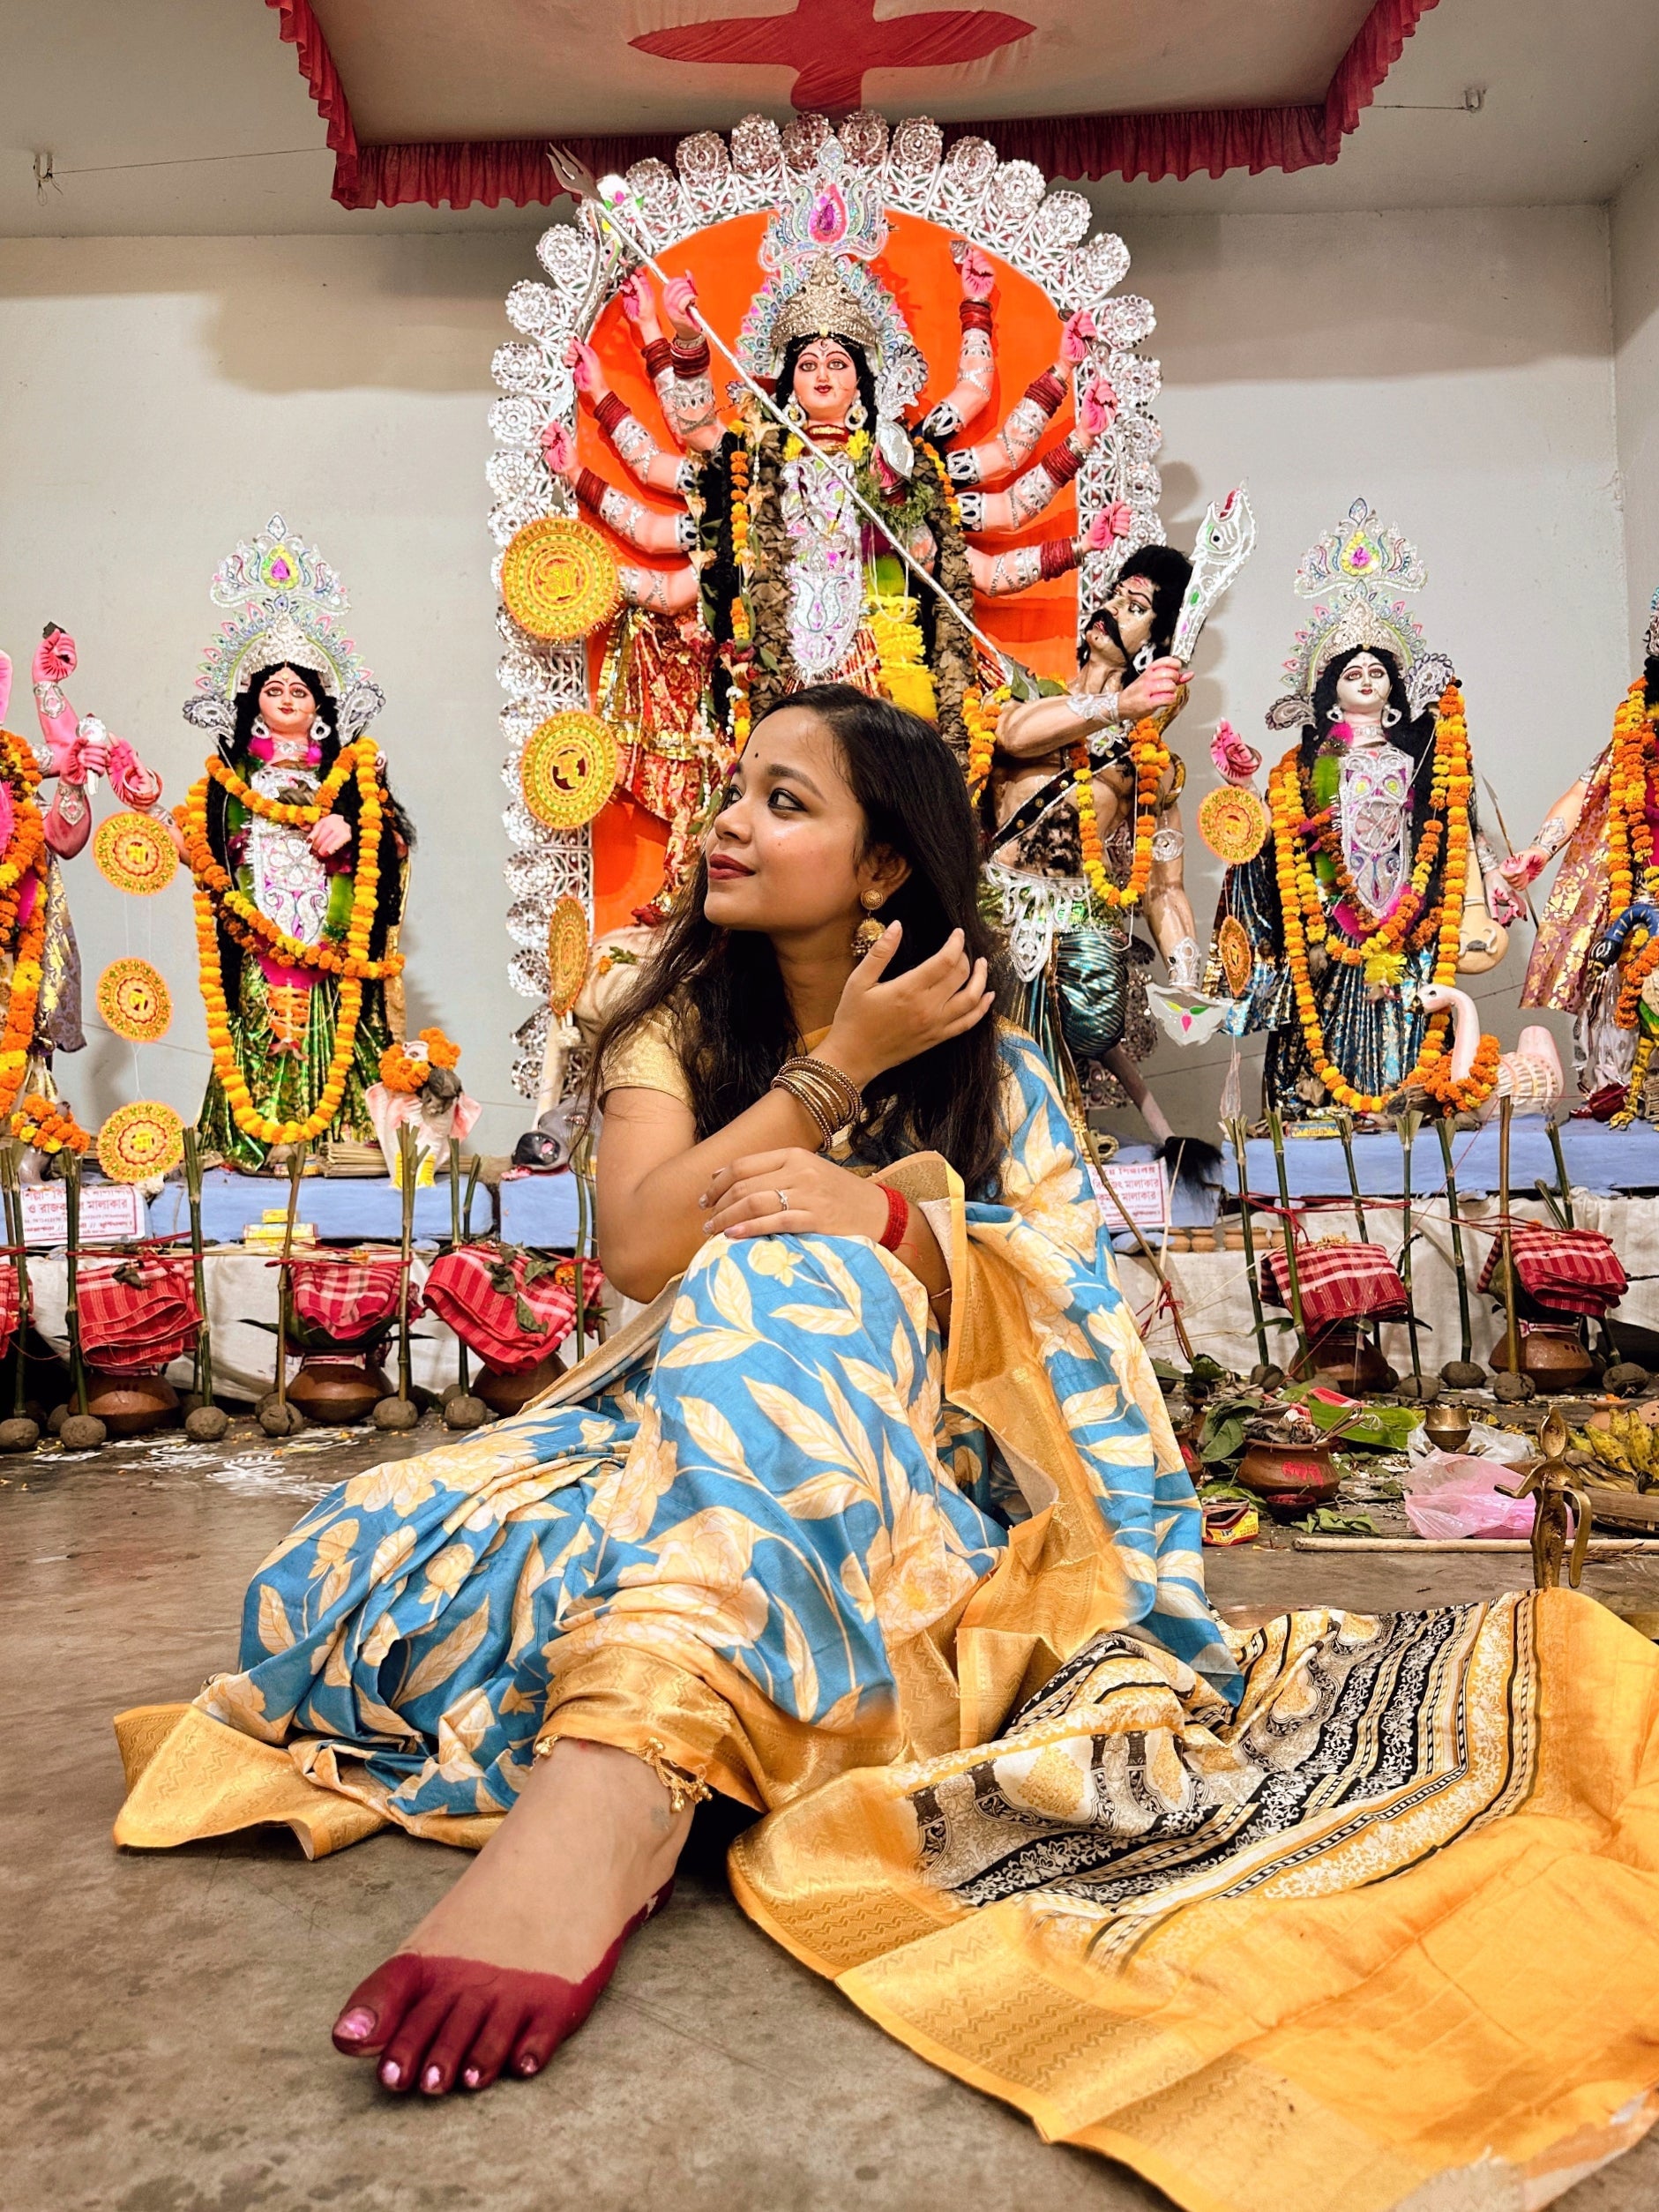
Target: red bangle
[
  {"x": 1062, "y": 464},
  {"x": 591, "y": 489},
  {"x": 1047, "y": 391},
  {"x": 658, "y": 355},
  {"x": 609, "y": 411},
  {"x": 898, "y": 1219},
  {"x": 975, "y": 314},
  {"x": 690, "y": 356},
  {"x": 1056, "y": 557}
]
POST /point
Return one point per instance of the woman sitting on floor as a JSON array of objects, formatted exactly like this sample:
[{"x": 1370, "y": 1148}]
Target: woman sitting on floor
[{"x": 772, "y": 1532}]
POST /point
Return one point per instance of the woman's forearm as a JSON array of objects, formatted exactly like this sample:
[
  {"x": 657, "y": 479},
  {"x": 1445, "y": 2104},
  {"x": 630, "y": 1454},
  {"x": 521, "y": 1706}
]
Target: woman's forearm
[{"x": 651, "y": 1221}]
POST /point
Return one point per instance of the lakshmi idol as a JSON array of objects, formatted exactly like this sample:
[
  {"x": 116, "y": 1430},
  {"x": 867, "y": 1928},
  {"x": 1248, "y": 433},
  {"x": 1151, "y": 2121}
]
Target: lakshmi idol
[
  {"x": 299, "y": 852},
  {"x": 1603, "y": 826},
  {"x": 39, "y": 957},
  {"x": 796, "y": 583},
  {"x": 1374, "y": 880}
]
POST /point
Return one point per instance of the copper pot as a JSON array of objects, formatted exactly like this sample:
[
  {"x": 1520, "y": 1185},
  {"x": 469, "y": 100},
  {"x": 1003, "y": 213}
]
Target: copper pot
[
  {"x": 335, "y": 1390},
  {"x": 1448, "y": 1427},
  {"x": 1554, "y": 1358},
  {"x": 130, "y": 1405},
  {"x": 1350, "y": 1357},
  {"x": 510, "y": 1393},
  {"x": 1290, "y": 1479}
]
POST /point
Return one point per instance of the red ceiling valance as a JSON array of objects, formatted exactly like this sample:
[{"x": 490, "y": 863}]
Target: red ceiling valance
[{"x": 1158, "y": 144}]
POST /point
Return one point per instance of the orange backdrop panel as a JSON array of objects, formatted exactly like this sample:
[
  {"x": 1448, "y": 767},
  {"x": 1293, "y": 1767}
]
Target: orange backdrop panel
[{"x": 1039, "y": 626}]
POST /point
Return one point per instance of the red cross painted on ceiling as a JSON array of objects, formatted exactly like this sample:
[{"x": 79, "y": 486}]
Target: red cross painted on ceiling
[{"x": 832, "y": 44}]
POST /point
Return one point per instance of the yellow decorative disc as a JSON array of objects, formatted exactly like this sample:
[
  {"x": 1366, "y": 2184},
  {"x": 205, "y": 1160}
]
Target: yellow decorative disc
[
  {"x": 568, "y": 769},
  {"x": 1232, "y": 949},
  {"x": 1233, "y": 823},
  {"x": 134, "y": 1001},
  {"x": 139, "y": 1140},
  {"x": 566, "y": 956},
  {"x": 135, "y": 853},
  {"x": 559, "y": 580}
]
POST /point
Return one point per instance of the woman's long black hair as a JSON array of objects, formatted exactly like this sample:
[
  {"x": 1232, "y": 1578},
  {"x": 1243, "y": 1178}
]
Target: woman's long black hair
[
  {"x": 394, "y": 823},
  {"x": 725, "y": 995}
]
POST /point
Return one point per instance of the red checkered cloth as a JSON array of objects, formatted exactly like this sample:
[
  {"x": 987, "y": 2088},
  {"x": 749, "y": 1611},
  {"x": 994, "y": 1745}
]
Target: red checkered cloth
[
  {"x": 505, "y": 1304},
  {"x": 1340, "y": 1282},
  {"x": 136, "y": 1315},
  {"x": 1565, "y": 1270},
  {"x": 348, "y": 1299},
  {"x": 8, "y": 1304}
]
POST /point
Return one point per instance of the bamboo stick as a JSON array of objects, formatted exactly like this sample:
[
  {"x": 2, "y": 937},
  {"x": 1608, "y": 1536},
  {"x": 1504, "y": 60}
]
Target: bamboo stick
[
  {"x": 1406, "y": 1127},
  {"x": 285, "y": 1303},
  {"x": 1258, "y": 1319},
  {"x": 71, "y": 1307},
  {"x": 1455, "y": 1206},
  {"x": 462, "y": 1373},
  {"x": 407, "y": 1166},
  {"x": 204, "y": 1338},
  {"x": 1512, "y": 1325},
  {"x": 15, "y": 1239},
  {"x": 1292, "y": 1273},
  {"x": 1345, "y": 1130}
]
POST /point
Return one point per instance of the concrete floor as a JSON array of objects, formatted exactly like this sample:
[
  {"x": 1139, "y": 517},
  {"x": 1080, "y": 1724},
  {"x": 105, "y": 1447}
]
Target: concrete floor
[{"x": 167, "y": 2014}]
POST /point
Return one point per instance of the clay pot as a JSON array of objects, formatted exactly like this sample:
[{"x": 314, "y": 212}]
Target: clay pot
[
  {"x": 1290, "y": 1479},
  {"x": 1553, "y": 1359},
  {"x": 510, "y": 1393},
  {"x": 336, "y": 1390},
  {"x": 130, "y": 1405},
  {"x": 1348, "y": 1358}
]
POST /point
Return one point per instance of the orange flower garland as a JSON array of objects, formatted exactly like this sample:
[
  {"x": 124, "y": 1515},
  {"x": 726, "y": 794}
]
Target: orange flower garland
[
  {"x": 1304, "y": 921},
  {"x": 24, "y": 859},
  {"x": 46, "y": 1125},
  {"x": 1462, "y": 1096},
  {"x": 304, "y": 817},
  {"x": 218, "y": 901},
  {"x": 1151, "y": 758},
  {"x": 740, "y": 634},
  {"x": 1632, "y": 875},
  {"x": 981, "y": 716},
  {"x": 401, "y": 1070}
]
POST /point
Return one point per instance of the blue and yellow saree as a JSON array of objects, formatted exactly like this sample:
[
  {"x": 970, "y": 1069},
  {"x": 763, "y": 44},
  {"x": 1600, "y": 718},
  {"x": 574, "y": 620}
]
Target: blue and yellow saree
[{"x": 1342, "y": 1913}]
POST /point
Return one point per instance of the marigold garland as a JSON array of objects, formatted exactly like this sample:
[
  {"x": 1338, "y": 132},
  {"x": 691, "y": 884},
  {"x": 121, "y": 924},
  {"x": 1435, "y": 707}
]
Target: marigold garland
[
  {"x": 742, "y": 632},
  {"x": 23, "y": 860},
  {"x": 47, "y": 1124},
  {"x": 1150, "y": 757},
  {"x": 218, "y": 901},
  {"x": 983, "y": 717},
  {"x": 1304, "y": 914}
]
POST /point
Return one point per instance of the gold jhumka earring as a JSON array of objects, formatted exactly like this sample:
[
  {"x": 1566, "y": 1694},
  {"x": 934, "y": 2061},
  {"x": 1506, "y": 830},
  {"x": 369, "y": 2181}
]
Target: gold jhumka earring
[{"x": 869, "y": 932}]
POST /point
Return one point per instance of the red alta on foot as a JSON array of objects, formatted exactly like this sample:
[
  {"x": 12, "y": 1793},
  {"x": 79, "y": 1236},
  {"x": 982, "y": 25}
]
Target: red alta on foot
[{"x": 444, "y": 2022}]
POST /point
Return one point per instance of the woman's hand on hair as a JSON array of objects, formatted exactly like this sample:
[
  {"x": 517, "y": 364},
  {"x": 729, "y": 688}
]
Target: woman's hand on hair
[
  {"x": 331, "y": 835},
  {"x": 792, "y": 1194},
  {"x": 1152, "y": 692},
  {"x": 880, "y": 1025}
]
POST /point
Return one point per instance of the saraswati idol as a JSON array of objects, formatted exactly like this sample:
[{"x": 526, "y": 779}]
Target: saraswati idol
[
  {"x": 299, "y": 852},
  {"x": 1373, "y": 880}
]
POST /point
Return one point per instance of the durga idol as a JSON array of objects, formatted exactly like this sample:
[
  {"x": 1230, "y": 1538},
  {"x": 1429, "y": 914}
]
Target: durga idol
[
  {"x": 796, "y": 583},
  {"x": 299, "y": 852}
]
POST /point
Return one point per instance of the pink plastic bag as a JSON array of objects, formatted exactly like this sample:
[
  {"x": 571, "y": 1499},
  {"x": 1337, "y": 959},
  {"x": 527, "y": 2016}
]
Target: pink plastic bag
[{"x": 1450, "y": 1494}]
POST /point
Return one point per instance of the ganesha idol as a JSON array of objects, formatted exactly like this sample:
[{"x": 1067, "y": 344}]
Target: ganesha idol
[{"x": 39, "y": 962}]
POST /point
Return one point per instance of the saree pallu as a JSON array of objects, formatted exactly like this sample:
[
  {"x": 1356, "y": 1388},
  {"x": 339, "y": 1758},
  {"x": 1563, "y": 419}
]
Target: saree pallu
[{"x": 1559, "y": 973}]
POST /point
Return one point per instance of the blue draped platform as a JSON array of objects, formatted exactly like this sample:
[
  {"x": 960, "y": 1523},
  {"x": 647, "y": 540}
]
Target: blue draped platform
[
  {"x": 346, "y": 1208},
  {"x": 1599, "y": 1158}
]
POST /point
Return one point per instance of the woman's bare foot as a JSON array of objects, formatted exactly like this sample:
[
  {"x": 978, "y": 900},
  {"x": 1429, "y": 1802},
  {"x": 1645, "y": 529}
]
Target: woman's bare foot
[{"x": 511, "y": 1961}]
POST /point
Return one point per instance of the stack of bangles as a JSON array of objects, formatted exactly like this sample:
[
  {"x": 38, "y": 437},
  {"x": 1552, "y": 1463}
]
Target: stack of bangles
[{"x": 831, "y": 1097}]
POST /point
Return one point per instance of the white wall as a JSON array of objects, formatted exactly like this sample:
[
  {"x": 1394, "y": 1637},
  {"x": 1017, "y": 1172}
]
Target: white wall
[
  {"x": 1635, "y": 239},
  {"x": 160, "y": 397}
]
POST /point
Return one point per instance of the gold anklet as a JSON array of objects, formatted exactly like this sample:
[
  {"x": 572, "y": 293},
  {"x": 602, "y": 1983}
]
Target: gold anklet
[{"x": 682, "y": 1786}]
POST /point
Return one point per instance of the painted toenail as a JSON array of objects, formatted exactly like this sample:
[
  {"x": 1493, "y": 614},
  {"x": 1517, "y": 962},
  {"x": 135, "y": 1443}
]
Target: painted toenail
[
  {"x": 527, "y": 2066},
  {"x": 392, "y": 2074},
  {"x": 433, "y": 2078},
  {"x": 472, "y": 2077},
  {"x": 357, "y": 2024}
]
